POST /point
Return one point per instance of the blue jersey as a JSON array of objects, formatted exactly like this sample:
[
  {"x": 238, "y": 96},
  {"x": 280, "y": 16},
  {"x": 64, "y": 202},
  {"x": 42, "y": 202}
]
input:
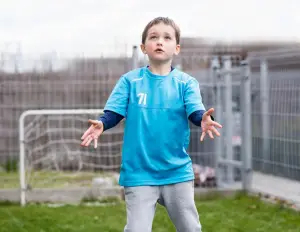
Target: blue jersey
[{"x": 157, "y": 131}]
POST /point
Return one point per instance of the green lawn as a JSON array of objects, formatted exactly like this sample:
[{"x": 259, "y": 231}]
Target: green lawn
[{"x": 239, "y": 214}]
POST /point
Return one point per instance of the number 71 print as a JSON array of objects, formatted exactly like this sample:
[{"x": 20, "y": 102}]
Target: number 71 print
[{"x": 142, "y": 98}]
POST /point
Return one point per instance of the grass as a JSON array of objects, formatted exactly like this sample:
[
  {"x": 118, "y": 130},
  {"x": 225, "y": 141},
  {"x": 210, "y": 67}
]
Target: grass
[
  {"x": 238, "y": 214},
  {"x": 50, "y": 179}
]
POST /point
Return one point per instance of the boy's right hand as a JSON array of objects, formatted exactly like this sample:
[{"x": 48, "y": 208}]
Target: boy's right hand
[{"x": 93, "y": 133}]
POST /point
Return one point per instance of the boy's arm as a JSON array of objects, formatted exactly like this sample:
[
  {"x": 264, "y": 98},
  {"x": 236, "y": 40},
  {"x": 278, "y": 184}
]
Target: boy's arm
[
  {"x": 201, "y": 117},
  {"x": 119, "y": 97},
  {"x": 196, "y": 117},
  {"x": 114, "y": 110},
  {"x": 193, "y": 100},
  {"x": 116, "y": 106},
  {"x": 110, "y": 119}
]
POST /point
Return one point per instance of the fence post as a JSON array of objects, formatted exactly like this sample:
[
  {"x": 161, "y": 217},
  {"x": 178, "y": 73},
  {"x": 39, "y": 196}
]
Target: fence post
[
  {"x": 215, "y": 69},
  {"x": 264, "y": 89},
  {"x": 135, "y": 58},
  {"x": 246, "y": 126},
  {"x": 22, "y": 160},
  {"x": 228, "y": 115}
]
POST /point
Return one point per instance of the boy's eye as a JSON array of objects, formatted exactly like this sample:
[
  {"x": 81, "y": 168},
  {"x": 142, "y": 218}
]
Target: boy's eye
[
  {"x": 167, "y": 37},
  {"x": 153, "y": 37}
]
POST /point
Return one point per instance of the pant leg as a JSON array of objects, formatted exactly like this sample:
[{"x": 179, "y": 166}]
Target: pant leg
[
  {"x": 179, "y": 202},
  {"x": 140, "y": 206}
]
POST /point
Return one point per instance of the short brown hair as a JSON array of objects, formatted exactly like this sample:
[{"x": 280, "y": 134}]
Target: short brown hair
[{"x": 164, "y": 20}]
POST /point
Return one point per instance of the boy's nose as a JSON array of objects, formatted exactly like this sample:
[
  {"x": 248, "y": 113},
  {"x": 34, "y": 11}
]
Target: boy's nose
[{"x": 159, "y": 41}]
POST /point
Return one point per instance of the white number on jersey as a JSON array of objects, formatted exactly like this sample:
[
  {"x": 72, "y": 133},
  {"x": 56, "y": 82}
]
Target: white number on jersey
[{"x": 142, "y": 98}]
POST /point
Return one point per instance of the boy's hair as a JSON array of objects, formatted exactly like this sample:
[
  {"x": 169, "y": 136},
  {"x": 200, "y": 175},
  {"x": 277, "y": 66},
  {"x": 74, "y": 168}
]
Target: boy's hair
[{"x": 166, "y": 21}]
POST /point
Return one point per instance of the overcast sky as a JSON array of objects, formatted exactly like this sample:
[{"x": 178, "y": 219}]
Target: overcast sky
[{"x": 93, "y": 27}]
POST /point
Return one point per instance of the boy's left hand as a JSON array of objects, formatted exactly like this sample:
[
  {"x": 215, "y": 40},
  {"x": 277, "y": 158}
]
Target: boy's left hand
[{"x": 208, "y": 125}]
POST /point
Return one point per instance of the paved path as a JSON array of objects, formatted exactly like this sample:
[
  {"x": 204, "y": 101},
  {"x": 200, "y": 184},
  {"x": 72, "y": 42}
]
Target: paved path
[{"x": 277, "y": 187}]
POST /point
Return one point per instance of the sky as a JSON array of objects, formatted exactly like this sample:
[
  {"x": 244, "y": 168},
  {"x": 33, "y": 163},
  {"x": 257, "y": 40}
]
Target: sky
[{"x": 110, "y": 27}]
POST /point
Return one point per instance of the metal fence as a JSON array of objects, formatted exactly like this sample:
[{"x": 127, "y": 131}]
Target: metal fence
[
  {"x": 276, "y": 112},
  {"x": 275, "y": 109},
  {"x": 275, "y": 105}
]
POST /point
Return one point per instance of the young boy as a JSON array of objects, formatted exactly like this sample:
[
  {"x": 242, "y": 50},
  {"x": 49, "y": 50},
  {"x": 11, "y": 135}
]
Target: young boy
[{"x": 157, "y": 102}]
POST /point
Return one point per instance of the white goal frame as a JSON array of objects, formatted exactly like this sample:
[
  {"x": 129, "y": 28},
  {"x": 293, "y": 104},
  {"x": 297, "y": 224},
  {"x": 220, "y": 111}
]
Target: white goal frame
[{"x": 22, "y": 137}]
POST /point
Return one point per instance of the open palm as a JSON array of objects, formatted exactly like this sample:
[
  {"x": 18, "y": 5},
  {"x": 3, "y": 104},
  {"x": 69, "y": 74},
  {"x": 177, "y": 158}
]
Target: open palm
[
  {"x": 208, "y": 125},
  {"x": 92, "y": 134}
]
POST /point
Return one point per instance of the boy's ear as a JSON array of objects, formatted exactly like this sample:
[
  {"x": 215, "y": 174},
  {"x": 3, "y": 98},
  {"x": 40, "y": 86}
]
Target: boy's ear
[
  {"x": 177, "y": 49},
  {"x": 143, "y": 48}
]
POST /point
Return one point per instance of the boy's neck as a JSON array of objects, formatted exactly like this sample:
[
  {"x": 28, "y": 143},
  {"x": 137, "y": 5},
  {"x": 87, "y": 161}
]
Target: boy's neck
[{"x": 160, "y": 69}]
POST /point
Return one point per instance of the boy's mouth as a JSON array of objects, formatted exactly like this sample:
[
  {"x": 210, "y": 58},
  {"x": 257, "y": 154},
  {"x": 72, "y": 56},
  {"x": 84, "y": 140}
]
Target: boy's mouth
[{"x": 159, "y": 50}]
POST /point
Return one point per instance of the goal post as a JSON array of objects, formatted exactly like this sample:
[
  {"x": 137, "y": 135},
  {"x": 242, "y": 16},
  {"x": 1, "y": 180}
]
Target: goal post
[{"x": 49, "y": 142}]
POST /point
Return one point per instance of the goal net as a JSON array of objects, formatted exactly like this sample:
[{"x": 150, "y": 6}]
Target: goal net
[{"x": 51, "y": 157}]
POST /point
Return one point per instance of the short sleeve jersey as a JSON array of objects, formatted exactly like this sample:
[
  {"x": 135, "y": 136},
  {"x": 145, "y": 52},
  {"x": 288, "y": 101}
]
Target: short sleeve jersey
[{"x": 157, "y": 131}]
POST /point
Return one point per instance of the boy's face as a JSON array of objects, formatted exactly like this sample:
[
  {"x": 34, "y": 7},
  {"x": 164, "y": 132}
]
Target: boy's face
[{"x": 160, "y": 44}]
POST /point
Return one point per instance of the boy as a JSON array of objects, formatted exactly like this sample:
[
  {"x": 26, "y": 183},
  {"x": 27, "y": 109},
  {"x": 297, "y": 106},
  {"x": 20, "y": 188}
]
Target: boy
[{"x": 157, "y": 102}]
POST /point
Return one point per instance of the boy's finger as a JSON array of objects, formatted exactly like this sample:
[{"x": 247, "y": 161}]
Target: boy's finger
[
  {"x": 202, "y": 136},
  {"x": 84, "y": 141},
  {"x": 216, "y": 124},
  {"x": 209, "y": 111},
  {"x": 86, "y": 133},
  {"x": 215, "y": 131},
  {"x": 87, "y": 141},
  {"x": 90, "y": 139},
  {"x": 94, "y": 122},
  {"x": 210, "y": 134},
  {"x": 95, "y": 143}
]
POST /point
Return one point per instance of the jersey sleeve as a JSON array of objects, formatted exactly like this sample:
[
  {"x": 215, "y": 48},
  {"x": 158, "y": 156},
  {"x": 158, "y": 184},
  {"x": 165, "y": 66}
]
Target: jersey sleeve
[
  {"x": 192, "y": 97},
  {"x": 118, "y": 99}
]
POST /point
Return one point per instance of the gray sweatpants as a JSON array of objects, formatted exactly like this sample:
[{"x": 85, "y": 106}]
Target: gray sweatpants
[{"x": 178, "y": 199}]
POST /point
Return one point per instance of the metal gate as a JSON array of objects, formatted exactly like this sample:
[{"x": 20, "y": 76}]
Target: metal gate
[{"x": 226, "y": 88}]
